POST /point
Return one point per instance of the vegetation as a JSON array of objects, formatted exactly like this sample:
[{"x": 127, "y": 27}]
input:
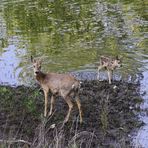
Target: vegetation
[{"x": 110, "y": 117}]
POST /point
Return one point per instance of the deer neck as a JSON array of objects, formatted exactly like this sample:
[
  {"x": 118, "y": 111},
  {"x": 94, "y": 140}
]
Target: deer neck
[{"x": 40, "y": 77}]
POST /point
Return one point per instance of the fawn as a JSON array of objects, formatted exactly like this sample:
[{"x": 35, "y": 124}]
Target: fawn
[
  {"x": 109, "y": 64},
  {"x": 64, "y": 85}
]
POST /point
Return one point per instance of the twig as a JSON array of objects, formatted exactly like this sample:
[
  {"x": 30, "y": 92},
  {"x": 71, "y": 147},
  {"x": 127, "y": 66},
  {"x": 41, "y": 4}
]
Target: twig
[{"x": 15, "y": 141}]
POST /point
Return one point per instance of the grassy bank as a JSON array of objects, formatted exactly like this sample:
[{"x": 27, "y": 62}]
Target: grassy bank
[{"x": 110, "y": 114}]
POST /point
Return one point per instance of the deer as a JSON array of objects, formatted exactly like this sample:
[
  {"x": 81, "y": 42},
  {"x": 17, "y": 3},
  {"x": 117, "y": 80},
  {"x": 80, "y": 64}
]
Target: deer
[
  {"x": 59, "y": 84},
  {"x": 109, "y": 64}
]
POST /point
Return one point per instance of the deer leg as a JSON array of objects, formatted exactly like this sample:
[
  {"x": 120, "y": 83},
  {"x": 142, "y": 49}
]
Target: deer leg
[
  {"x": 46, "y": 103},
  {"x": 70, "y": 105},
  {"x": 98, "y": 75},
  {"x": 79, "y": 107},
  {"x": 109, "y": 76},
  {"x": 51, "y": 104}
]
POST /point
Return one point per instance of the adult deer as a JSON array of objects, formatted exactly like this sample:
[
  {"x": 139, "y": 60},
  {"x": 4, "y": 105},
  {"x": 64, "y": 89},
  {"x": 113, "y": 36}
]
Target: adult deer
[
  {"x": 64, "y": 85},
  {"x": 109, "y": 64}
]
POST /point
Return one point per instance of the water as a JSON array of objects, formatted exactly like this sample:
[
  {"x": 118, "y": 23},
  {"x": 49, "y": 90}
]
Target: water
[{"x": 70, "y": 36}]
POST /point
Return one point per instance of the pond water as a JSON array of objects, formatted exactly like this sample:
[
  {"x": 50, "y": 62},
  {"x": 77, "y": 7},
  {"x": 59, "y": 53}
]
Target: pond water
[{"x": 70, "y": 36}]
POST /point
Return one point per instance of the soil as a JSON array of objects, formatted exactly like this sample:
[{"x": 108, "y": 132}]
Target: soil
[{"x": 110, "y": 114}]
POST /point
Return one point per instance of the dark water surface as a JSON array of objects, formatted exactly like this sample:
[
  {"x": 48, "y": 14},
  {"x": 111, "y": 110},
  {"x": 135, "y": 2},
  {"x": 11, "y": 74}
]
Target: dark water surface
[{"x": 70, "y": 36}]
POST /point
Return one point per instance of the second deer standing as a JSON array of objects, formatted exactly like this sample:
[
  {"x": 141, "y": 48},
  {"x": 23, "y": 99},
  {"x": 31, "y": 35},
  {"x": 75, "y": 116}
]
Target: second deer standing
[
  {"x": 110, "y": 64},
  {"x": 64, "y": 85}
]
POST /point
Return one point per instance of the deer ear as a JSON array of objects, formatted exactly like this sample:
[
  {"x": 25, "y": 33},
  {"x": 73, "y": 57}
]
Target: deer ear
[
  {"x": 120, "y": 57},
  {"x": 40, "y": 61},
  {"x": 117, "y": 57},
  {"x": 32, "y": 59}
]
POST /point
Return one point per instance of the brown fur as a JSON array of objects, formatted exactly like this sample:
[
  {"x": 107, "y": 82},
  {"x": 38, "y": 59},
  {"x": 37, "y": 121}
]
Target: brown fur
[{"x": 63, "y": 85}]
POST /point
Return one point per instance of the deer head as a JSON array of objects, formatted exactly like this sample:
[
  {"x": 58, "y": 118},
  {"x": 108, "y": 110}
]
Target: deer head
[
  {"x": 118, "y": 61},
  {"x": 36, "y": 66}
]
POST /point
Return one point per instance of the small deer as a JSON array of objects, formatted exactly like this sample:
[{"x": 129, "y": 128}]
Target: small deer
[
  {"x": 109, "y": 64},
  {"x": 64, "y": 85}
]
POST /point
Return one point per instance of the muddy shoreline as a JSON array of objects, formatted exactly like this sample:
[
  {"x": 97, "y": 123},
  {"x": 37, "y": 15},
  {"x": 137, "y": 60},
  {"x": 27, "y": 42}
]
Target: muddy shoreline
[{"x": 110, "y": 114}]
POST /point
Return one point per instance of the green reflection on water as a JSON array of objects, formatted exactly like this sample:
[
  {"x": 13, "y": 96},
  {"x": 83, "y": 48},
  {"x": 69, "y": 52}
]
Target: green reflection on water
[{"x": 73, "y": 34}]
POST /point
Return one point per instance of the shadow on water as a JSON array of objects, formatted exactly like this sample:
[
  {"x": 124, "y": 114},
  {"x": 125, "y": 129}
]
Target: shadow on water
[{"x": 70, "y": 36}]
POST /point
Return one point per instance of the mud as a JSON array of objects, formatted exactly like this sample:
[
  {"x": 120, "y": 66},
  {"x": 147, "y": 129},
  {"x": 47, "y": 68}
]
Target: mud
[{"x": 110, "y": 114}]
